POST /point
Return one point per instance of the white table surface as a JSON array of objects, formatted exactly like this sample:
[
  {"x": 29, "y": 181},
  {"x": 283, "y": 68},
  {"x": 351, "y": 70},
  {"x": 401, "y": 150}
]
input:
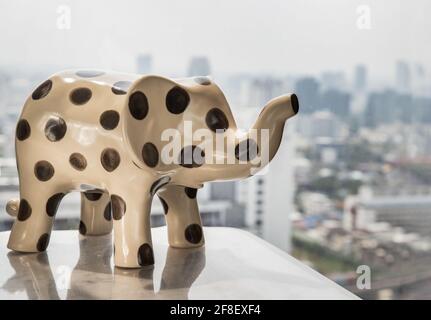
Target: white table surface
[{"x": 234, "y": 264}]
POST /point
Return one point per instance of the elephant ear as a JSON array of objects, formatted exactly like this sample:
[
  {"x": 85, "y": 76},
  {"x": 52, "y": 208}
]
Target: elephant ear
[{"x": 155, "y": 104}]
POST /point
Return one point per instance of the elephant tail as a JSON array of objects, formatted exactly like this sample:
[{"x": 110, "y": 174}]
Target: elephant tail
[{"x": 12, "y": 207}]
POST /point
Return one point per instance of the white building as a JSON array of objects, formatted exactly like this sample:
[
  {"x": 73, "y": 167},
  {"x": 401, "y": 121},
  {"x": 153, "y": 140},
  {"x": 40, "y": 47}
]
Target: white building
[
  {"x": 411, "y": 213},
  {"x": 268, "y": 196}
]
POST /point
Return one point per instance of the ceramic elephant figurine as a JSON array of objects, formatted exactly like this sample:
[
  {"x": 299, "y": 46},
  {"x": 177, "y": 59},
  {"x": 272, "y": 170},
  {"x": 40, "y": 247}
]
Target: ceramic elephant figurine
[{"x": 104, "y": 135}]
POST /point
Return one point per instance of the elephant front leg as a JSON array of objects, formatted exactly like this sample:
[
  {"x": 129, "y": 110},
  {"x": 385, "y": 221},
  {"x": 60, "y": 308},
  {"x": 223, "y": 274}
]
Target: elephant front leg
[
  {"x": 96, "y": 217},
  {"x": 132, "y": 233},
  {"x": 182, "y": 216},
  {"x": 35, "y": 216}
]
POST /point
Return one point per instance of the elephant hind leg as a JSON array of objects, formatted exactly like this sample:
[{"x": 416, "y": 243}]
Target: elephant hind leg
[
  {"x": 96, "y": 217},
  {"x": 35, "y": 213},
  {"x": 182, "y": 216}
]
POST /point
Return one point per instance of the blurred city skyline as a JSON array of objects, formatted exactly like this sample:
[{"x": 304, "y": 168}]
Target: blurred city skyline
[{"x": 271, "y": 37}]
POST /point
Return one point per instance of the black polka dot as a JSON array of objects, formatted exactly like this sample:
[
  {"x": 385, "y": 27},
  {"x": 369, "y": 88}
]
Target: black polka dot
[
  {"x": 205, "y": 81},
  {"x": 110, "y": 159},
  {"x": 295, "y": 103},
  {"x": 23, "y": 130},
  {"x": 118, "y": 207},
  {"x": 159, "y": 184},
  {"x": 42, "y": 91},
  {"x": 121, "y": 87},
  {"x": 89, "y": 73},
  {"x": 191, "y": 157},
  {"x": 109, "y": 119},
  {"x": 190, "y": 192},
  {"x": 24, "y": 211},
  {"x": 55, "y": 129},
  {"x": 150, "y": 155},
  {"x": 53, "y": 203},
  {"x": 78, "y": 161},
  {"x": 216, "y": 120},
  {"x": 246, "y": 150},
  {"x": 43, "y": 170},
  {"x": 82, "y": 228},
  {"x": 164, "y": 204},
  {"x": 93, "y": 195},
  {"x": 193, "y": 233},
  {"x": 107, "y": 212},
  {"x": 80, "y": 96},
  {"x": 177, "y": 100},
  {"x": 145, "y": 255},
  {"x": 43, "y": 242},
  {"x": 138, "y": 105}
]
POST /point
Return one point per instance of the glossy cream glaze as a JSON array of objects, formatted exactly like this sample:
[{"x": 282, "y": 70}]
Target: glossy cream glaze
[{"x": 100, "y": 133}]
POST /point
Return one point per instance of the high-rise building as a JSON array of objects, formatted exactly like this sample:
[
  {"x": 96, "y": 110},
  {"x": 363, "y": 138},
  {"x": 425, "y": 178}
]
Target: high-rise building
[
  {"x": 144, "y": 63},
  {"x": 387, "y": 107},
  {"x": 260, "y": 91},
  {"x": 227, "y": 191},
  {"x": 360, "y": 81},
  {"x": 403, "y": 76},
  {"x": 199, "y": 66},
  {"x": 336, "y": 101},
  {"x": 333, "y": 80},
  {"x": 268, "y": 196},
  {"x": 322, "y": 126},
  {"x": 279, "y": 192},
  {"x": 307, "y": 90},
  {"x": 419, "y": 82}
]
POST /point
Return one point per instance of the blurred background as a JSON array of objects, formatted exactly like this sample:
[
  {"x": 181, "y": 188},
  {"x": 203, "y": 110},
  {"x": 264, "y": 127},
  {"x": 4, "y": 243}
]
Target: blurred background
[{"x": 351, "y": 184}]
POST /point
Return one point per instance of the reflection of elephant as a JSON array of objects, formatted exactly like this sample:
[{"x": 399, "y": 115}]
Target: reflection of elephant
[
  {"x": 104, "y": 135},
  {"x": 32, "y": 273},
  {"x": 181, "y": 270},
  {"x": 91, "y": 278},
  {"x": 94, "y": 278}
]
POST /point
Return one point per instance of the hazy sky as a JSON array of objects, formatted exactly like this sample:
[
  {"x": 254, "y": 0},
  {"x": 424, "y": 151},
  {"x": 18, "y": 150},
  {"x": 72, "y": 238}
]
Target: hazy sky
[{"x": 274, "y": 36}]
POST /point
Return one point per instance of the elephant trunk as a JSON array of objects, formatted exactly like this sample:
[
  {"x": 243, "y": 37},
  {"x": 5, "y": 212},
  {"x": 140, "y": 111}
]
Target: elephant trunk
[
  {"x": 255, "y": 149},
  {"x": 272, "y": 119}
]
